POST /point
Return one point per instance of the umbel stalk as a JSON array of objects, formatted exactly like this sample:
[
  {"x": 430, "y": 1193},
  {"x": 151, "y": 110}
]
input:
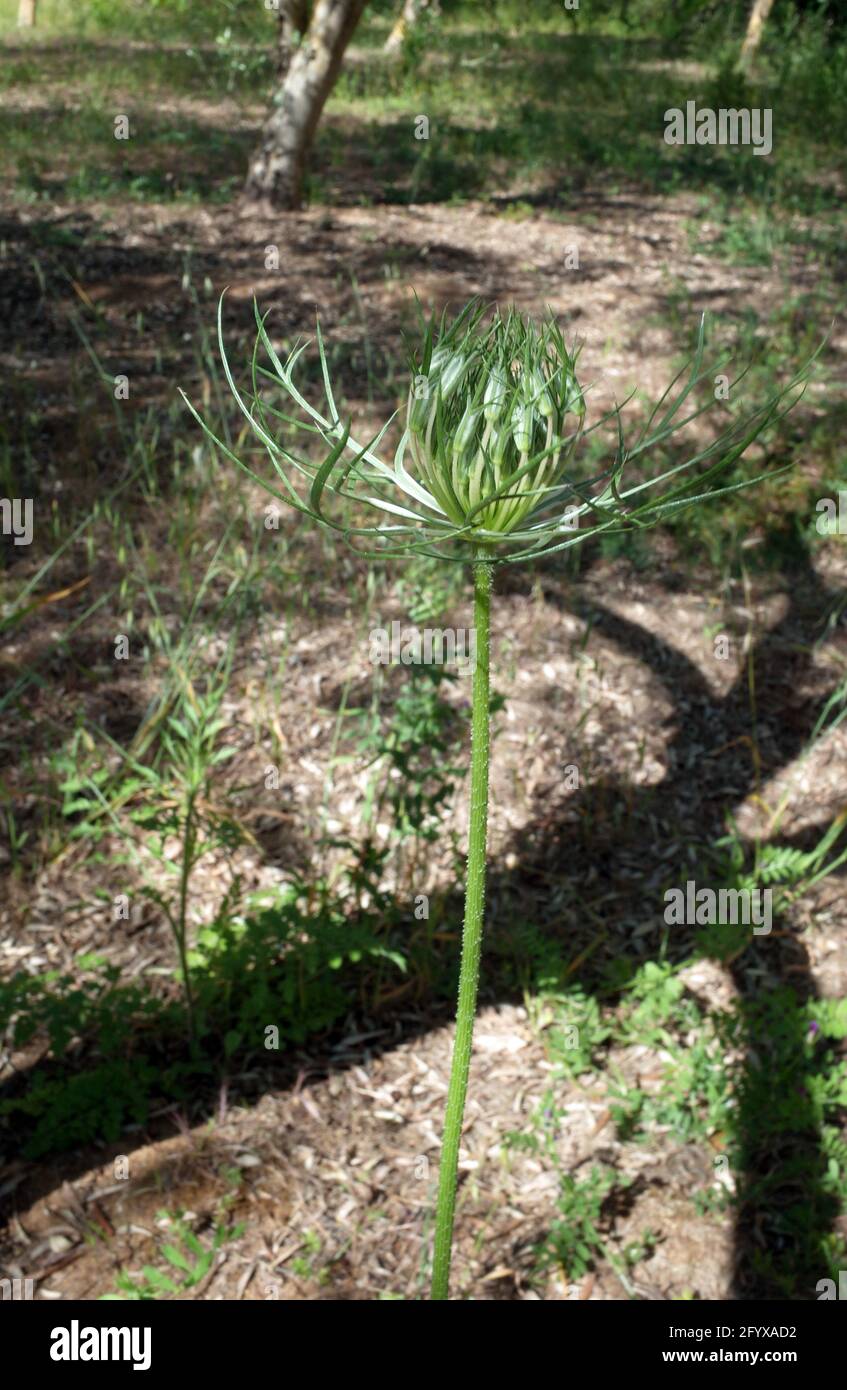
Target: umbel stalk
[
  {"x": 488, "y": 459},
  {"x": 471, "y": 936}
]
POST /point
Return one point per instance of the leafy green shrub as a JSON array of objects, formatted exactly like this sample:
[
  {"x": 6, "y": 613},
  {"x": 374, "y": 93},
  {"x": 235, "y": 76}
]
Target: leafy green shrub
[
  {"x": 294, "y": 964},
  {"x": 99, "y": 1022},
  {"x": 288, "y": 965}
]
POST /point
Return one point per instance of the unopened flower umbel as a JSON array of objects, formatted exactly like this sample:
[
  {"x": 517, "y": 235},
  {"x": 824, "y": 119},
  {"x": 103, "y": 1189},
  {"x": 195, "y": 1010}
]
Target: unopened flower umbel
[
  {"x": 493, "y": 418},
  {"x": 486, "y": 472}
]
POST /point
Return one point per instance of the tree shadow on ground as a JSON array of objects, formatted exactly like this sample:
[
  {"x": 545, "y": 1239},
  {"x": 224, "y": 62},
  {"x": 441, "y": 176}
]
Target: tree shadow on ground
[
  {"x": 588, "y": 843},
  {"x": 786, "y": 1208}
]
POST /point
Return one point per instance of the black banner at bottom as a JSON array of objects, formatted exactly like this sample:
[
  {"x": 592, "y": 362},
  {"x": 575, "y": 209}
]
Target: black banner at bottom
[{"x": 85, "y": 1340}]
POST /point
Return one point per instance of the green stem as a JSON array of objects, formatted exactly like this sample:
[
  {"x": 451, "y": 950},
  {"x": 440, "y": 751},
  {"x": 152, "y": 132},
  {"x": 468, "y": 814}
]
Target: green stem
[
  {"x": 188, "y": 846},
  {"x": 471, "y": 937}
]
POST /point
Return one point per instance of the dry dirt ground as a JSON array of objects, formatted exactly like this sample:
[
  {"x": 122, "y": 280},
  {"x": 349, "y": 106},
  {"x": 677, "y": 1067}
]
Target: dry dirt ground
[{"x": 331, "y": 1167}]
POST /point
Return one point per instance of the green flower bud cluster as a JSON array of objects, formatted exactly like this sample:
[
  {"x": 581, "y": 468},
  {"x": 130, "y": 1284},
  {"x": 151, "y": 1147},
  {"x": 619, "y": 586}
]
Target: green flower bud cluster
[{"x": 493, "y": 418}]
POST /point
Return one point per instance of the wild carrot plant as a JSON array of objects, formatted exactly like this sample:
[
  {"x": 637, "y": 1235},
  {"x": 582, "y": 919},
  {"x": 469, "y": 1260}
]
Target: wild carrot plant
[{"x": 486, "y": 474}]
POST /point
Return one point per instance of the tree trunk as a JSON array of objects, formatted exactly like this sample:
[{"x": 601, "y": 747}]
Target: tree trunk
[
  {"x": 26, "y": 14},
  {"x": 755, "y": 25},
  {"x": 406, "y": 20},
  {"x": 275, "y": 176},
  {"x": 293, "y": 23}
]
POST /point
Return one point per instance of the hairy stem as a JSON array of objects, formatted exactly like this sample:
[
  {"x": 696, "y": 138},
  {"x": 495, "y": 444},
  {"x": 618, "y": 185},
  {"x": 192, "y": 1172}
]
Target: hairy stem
[
  {"x": 188, "y": 846},
  {"x": 471, "y": 937}
]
